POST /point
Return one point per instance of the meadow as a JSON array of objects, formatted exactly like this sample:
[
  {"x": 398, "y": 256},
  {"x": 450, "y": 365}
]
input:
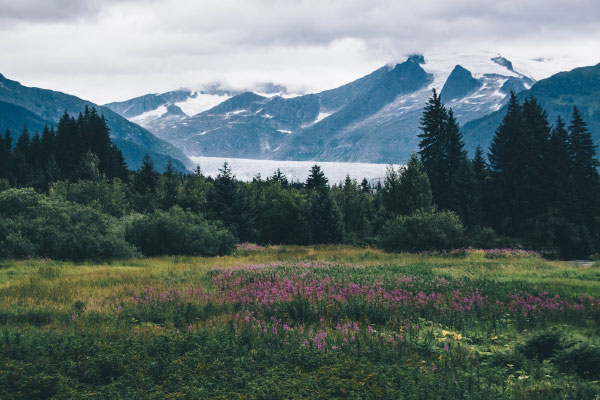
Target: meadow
[{"x": 302, "y": 322}]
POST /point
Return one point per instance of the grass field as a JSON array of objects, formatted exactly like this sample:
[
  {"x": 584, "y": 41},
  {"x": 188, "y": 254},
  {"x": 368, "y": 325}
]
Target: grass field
[{"x": 302, "y": 322}]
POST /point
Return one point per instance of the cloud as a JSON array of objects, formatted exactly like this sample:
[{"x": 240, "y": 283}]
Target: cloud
[{"x": 110, "y": 50}]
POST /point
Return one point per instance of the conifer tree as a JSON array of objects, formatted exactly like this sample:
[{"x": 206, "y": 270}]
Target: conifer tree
[
  {"x": 558, "y": 173},
  {"x": 456, "y": 188},
  {"x": 169, "y": 186},
  {"x": 479, "y": 170},
  {"x": 316, "y": 179},
  {"x": 279, "y": 177},
  {"x": 415, "y": 191},
  {"x": 325, "y": 217},
  {"x": 6, "y": 156},
  {"x": 507, "y": 159},
  {"x": 390, "y": 192},
  {"x": 433, "y": 144},
  {"x": 146, "y": 179},
  {"x": 365, "y": 186},
  {"x": 536, "y": 134},
  {"x": 584, "y": 169},
  {"x": 87, "y": 169}
]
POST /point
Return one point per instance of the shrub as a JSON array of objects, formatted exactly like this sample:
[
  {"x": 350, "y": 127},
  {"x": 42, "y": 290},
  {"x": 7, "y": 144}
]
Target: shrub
[
  {"x": 542, "y": 346},
  {"x": 421, "y": 231},
  {"x": 178, "y": 232},
  {"x": 32, "y": 224},
  {"x": 582, "y": 358},
  {"x": 482, "y": 238}
]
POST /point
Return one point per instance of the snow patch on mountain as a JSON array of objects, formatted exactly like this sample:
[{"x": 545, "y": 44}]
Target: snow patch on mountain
[
  {"x": 200, "y": 102},
  {"x": 148, "y": 116}
]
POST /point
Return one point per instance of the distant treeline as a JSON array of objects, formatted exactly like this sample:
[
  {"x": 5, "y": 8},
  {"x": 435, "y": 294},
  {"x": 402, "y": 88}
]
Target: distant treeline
[{"x": 68, "y": 194}]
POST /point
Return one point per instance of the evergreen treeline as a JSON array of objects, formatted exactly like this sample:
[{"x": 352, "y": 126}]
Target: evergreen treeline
[
  {"x": 79, "y": 149},
  {"x": 541, "y": 186},
  {"x": 539, "y": 189}
]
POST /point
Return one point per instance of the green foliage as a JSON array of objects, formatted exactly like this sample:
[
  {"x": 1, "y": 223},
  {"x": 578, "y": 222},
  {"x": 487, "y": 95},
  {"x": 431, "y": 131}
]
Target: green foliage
[
  {"x": 283, "y": 215},
  {"x": 178, "y": 232},
  {"x": 108, "y": 196},
  {"x": 326, "y": 224},
  {"x": 543, "y": 346},
  {"x": 422, "y": 230},
  {"x": 581, "y": 358},
  {"x": 36, "y": 225}
]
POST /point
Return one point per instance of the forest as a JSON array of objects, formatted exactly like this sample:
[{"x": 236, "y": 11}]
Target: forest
[{"x": 67, "y": 194}]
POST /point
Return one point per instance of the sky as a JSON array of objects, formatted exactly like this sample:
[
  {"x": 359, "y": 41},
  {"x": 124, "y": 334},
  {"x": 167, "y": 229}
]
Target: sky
[{"x": 113, "y": 50}]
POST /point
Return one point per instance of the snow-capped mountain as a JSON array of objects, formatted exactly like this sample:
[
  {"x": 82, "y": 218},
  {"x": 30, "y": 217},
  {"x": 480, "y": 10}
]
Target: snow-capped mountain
[{"x": 373, "y": 119}]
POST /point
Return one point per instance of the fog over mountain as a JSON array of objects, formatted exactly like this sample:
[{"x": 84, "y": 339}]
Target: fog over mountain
[
  {"x": 373, "y": 119},
  {"x": 111, "y": 50}
]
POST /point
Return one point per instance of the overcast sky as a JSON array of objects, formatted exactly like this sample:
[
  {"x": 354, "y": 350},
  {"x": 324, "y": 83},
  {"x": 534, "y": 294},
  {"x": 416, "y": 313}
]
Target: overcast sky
[{"x": 116, "y": 49}]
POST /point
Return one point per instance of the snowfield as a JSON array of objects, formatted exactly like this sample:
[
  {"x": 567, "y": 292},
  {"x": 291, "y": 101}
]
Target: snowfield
[{"x": 246, "y": 169}]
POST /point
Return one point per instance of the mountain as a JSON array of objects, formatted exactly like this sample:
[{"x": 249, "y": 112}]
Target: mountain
[
  {"x": 35, "y": 108},
  {"x": 557, "y": 95},
  {"x": 14, "y": 118},
  {"x": 373, "y": 119}
]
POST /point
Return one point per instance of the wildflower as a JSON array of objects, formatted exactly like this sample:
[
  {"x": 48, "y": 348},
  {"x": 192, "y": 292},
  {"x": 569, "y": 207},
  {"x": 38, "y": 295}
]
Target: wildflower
[
  {"x": 434, "y": 368},
  {"x": 190, "y": 327},
  {"x": 274, "y": 331},
  {"x": 370, "y": 329},
  {"x": 446, "y": 348}
]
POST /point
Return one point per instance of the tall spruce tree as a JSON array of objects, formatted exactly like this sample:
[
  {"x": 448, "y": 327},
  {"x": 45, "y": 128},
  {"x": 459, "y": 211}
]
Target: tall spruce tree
[
  {"x": 584, "y": 169},
  {"x": 558, "y": 173},
  {"x": 316, "y": 178},
  {"x": 433, "y": 146},
  {"x": 443, "y": 155},
  {"x": 457, "y": 189},
  {"x": 507, "y": 159},
  {"x": 536, "y": 134}
]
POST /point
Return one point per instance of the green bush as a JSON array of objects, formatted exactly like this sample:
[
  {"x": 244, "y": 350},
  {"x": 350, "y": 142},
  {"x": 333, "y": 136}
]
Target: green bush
[
  {"x": 422, "y": 230},
  {"x": 178, "y": 232},
  {"x": 542, "y": 346},
  {"x": 582, "y": 358},
  {"x": 34, "y": 225}
]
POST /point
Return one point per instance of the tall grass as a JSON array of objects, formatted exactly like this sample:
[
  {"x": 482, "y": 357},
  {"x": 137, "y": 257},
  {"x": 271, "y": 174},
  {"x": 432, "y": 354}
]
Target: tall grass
[{"x": 301, "y": 322}]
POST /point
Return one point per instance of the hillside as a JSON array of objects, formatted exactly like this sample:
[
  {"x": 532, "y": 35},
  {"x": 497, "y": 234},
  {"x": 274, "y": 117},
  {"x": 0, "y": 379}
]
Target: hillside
[
  {"x": 36, "y": 107},
  {"x": 557, "y": 95}
]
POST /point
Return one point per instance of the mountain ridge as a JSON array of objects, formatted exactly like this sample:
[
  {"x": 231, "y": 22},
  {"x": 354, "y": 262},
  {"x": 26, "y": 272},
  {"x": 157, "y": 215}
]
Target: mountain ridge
[{"x": 49, "y": 105}]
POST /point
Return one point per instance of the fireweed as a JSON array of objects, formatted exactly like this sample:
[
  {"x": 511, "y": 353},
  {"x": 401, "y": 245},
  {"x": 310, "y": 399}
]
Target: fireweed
[{"x": 325, "y": 294}]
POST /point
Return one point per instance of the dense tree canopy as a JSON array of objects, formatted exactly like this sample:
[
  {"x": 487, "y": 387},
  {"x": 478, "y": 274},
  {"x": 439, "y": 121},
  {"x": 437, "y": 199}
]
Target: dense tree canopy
[{"x": 540, "y": 189}]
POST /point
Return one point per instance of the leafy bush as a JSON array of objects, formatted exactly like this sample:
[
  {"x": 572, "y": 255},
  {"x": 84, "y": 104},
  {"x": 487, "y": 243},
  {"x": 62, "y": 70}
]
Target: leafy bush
[
  {"x": 33, "y": 224},
  {"x": 422, "y": 230},
  {"x": 482, "y": 238},
  {"x": 178, "y": 232},
  {"x": 542, "y": 346},
  {"x": 582, "y": 358},
  {"x": 109, "y": 196}
]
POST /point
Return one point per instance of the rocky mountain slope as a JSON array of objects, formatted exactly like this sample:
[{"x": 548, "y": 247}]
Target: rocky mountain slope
[{"x": 373, "y": 119}]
